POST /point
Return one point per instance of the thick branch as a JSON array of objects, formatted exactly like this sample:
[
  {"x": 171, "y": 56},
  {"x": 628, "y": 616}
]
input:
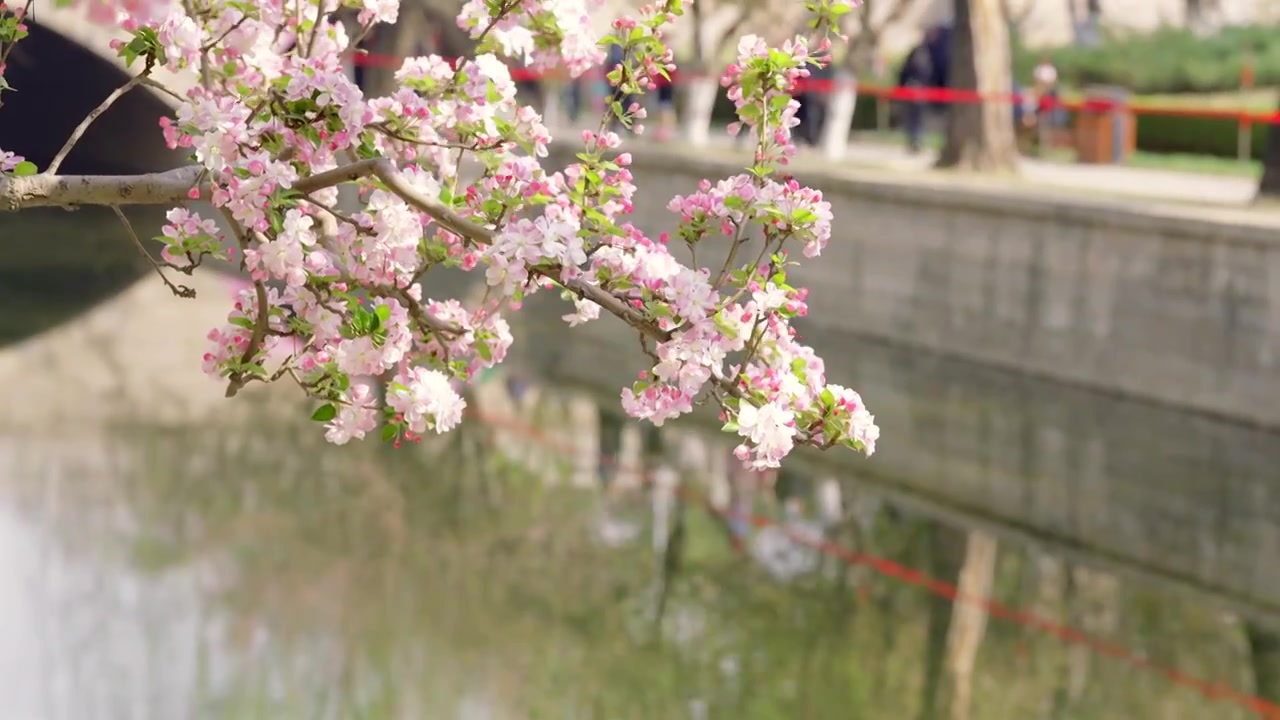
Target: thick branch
[
  {"x": 47, "y": 190},
  {"x": 174, "y": 187}
]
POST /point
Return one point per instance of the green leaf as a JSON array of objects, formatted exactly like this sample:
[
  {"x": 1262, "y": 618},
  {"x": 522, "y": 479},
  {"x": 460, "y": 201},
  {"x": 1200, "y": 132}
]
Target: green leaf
[
  {"x": 383, "y": 312},
  {"x": 389, "y": 432},
  {"x": 828, "y": 398},
  {"x": 730, "y": 427},
  {"x": 325, "y": 413},
  {"x": 25, "y": 168}
]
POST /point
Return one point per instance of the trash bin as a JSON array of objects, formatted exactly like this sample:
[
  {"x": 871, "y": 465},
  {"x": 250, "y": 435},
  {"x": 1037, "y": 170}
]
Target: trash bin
[{"x": 1106, "y": 132}]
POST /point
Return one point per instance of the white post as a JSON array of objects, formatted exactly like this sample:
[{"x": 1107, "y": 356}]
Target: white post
[
  {"x": 552, "y": 107},
  {"x": 830, "y": 503},
  {"x": 630, "y": 468},
  {"x": 700, "y": 100},
  {"x": 665, "y": 481},
  {"x": 839, "y": 121},
  {"x": 719, "y": 477},
  {"x": 584, "y": 419}
]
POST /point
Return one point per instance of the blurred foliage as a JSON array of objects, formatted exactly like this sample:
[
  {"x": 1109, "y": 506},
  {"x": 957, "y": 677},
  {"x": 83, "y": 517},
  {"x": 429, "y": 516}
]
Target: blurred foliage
[
  {"x": 1170, "y": 60},
  {"x": 384, "y": 584},
  {"x": 1199, "y": 136}
]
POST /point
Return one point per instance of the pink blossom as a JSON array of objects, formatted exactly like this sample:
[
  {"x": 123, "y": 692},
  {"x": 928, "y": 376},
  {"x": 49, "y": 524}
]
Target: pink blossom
[{"x": 347, "y": 296}]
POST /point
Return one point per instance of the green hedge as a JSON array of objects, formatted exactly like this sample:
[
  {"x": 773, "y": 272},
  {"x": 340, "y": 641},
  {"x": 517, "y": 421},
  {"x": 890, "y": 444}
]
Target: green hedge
[
  {"x": 1156, "y": 133},
  {"x": 1171, "y": 61},
  {"x": 1166, "y": 61},
  {"x": 1166, "y": 134}
]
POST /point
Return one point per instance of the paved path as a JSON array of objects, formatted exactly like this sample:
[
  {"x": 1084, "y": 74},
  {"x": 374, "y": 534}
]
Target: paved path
[
  {"x": 1106, "y": 180},
  {"x": 1169, "y": 185}
]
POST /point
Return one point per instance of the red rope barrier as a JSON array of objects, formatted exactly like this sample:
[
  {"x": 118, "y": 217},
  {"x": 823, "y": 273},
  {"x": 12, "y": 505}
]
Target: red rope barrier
[
  {"x": 1213, "y": 691},
  {"x": 936, "y": 95}
]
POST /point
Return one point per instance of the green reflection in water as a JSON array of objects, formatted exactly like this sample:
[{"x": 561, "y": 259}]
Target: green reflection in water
[
  {"x": 361, "y": 582},
  {"x": 56, "y": 264}
]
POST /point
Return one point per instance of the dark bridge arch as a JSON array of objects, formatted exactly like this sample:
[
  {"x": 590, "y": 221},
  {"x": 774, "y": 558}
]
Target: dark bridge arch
[{"x": 55, "y": 264}]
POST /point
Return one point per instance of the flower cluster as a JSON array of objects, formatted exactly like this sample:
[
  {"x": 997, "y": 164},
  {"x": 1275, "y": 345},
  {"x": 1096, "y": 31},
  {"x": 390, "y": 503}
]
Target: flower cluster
[{"x": 447, "y": 171}]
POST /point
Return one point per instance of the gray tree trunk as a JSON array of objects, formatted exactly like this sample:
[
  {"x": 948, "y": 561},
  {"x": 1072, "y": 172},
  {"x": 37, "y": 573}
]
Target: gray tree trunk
[
  {"x": 1264, "y": 652},
  {"x": 980, "y": 136}
]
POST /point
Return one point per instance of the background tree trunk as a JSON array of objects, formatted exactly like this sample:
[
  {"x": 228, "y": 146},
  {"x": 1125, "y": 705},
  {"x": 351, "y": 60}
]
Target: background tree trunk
[
  {"x": 980, "y": 136},
  {"x": 946, "y": 558},
  {"x": 1195, "y": 11},
  {"x": 968, "y": 624},
  {"x": 1264, "y": 652},
  {"x": 1269, "y": 185}
]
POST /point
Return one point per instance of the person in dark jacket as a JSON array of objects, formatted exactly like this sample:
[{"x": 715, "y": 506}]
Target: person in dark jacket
[
  {"x": 917, "y": 74},
  {"x": 812, "y": 94},
  {"x": 666, "y": 108},
  {"x": 938, "y": 41}
]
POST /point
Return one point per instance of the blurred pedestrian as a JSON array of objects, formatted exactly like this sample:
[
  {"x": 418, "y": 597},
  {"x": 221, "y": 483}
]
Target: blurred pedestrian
[
  {"x": 1048, "y": 108},
  {"x": 917, "y": 74},
  {"x": 812, "y": 95},
  {"x": 528, "y": 88},
  {"x": 573, "y": 100},
  {"x": 666, "y": 108},
  {"x": 938, "y": 42}
]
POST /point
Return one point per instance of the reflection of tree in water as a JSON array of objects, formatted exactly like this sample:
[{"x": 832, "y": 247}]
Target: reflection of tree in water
[
  {"x": 365, "y": 582},
  {"x": 56, "y": 264}
]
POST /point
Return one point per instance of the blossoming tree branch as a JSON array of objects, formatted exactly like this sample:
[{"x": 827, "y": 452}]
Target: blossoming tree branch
[{"x": 275, "y": 127}]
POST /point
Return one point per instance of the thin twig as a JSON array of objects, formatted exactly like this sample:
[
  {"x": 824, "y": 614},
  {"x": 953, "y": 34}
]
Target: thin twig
[
  {"x": 181, "y": 291},
  {"x": 94, "y": 115},
  {"x": 154, "y": 84},
  {"x": 260, "y": 326}
]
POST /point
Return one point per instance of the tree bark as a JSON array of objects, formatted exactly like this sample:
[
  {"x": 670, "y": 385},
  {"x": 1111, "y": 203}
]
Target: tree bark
[
  {"x": 1195, "y": 11},
  {"x": 1269, "y": 185},
  {"x": 980, "y": 136}
]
